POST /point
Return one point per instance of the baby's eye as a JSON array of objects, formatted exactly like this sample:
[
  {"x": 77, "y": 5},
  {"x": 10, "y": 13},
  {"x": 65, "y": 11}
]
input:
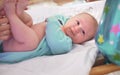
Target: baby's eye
[
  {"x": 83, "y": 32},
  {"x": 78, "y": 22}
]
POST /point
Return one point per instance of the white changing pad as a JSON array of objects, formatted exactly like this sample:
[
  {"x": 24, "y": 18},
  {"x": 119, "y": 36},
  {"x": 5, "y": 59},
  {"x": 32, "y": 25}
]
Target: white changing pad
[{"x": 77, "y": 62}]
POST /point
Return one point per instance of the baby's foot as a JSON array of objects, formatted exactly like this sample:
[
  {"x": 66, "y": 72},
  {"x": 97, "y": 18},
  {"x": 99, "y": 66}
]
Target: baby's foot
[
  {"x": 9, "y": 7},
  {"x": 21, "y": 6}
]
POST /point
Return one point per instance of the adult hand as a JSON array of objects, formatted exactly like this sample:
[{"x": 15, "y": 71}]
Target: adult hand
[{"x": 5, "y": 32}]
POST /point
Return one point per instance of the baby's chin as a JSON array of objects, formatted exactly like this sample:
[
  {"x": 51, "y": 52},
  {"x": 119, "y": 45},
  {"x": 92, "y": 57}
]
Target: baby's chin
[{"x": 79, "y": 42}]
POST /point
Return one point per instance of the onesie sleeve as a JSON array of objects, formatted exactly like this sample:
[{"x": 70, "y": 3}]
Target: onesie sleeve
[{"x": 57, "y": 41}]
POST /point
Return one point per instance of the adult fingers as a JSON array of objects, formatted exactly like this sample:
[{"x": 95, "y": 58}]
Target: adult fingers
[
  {"x": 3, "y": 20},
  {"x": 6, "y": 32},
  {"x": 4, "y": 27},
  {"x": 5, "y": 37}
]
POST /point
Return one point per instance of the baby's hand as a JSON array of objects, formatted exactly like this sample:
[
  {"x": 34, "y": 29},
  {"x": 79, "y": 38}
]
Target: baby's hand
[{"x": 63, "y": 29}]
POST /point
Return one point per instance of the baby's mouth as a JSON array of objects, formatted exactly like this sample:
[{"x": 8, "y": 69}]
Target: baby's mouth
[{"x": 71, "y": 32}]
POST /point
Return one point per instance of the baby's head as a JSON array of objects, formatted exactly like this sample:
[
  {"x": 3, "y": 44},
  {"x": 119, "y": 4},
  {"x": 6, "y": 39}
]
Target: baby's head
[{"x": 81, "y": 28}]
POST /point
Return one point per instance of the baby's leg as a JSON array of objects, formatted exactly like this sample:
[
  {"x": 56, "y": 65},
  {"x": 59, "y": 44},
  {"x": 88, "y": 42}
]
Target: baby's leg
[
  {"x": 24, "y": 38},
  {"x": 20, "y": 7},
  {"x": 9, "y": 7}
]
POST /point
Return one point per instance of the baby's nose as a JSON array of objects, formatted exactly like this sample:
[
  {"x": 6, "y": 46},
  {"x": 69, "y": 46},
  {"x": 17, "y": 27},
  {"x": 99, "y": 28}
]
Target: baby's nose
[{"x": 77, "y": 28}]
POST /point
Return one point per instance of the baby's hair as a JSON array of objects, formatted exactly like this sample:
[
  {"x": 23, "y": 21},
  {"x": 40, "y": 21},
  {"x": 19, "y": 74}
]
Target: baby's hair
[
  {"x": 95, "y": 21},
  {"x": 90, "y": 16}
]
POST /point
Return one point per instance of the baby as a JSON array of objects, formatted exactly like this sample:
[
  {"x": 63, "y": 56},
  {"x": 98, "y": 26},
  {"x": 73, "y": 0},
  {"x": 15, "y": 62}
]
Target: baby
[{"x": 56, "y": 33}]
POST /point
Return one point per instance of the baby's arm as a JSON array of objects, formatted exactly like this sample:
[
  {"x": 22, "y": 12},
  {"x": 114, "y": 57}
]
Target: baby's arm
[{"x": 58, "y": 42}]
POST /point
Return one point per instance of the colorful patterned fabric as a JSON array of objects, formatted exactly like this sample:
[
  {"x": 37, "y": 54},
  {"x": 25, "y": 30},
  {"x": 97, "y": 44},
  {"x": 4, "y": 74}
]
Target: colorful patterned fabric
[{"x": 108, "y": 35}]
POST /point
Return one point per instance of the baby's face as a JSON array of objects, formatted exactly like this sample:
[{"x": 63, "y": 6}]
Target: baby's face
[{"x": 80, "y": 28}]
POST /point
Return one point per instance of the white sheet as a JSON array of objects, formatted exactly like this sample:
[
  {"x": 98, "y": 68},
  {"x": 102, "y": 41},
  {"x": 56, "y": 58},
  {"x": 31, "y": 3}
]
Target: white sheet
[{"x": 77, "y": 62}]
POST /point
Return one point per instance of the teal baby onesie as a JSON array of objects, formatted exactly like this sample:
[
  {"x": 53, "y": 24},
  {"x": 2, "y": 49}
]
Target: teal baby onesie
[{"x": 54, "y": 42}]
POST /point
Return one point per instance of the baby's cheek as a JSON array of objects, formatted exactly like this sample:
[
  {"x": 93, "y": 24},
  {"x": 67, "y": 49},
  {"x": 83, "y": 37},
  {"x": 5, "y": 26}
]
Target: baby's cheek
[{"x": 63, "y": 29}]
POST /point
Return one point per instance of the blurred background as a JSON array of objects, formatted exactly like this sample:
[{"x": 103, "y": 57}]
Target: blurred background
[{"x": 58, "y": 2}]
